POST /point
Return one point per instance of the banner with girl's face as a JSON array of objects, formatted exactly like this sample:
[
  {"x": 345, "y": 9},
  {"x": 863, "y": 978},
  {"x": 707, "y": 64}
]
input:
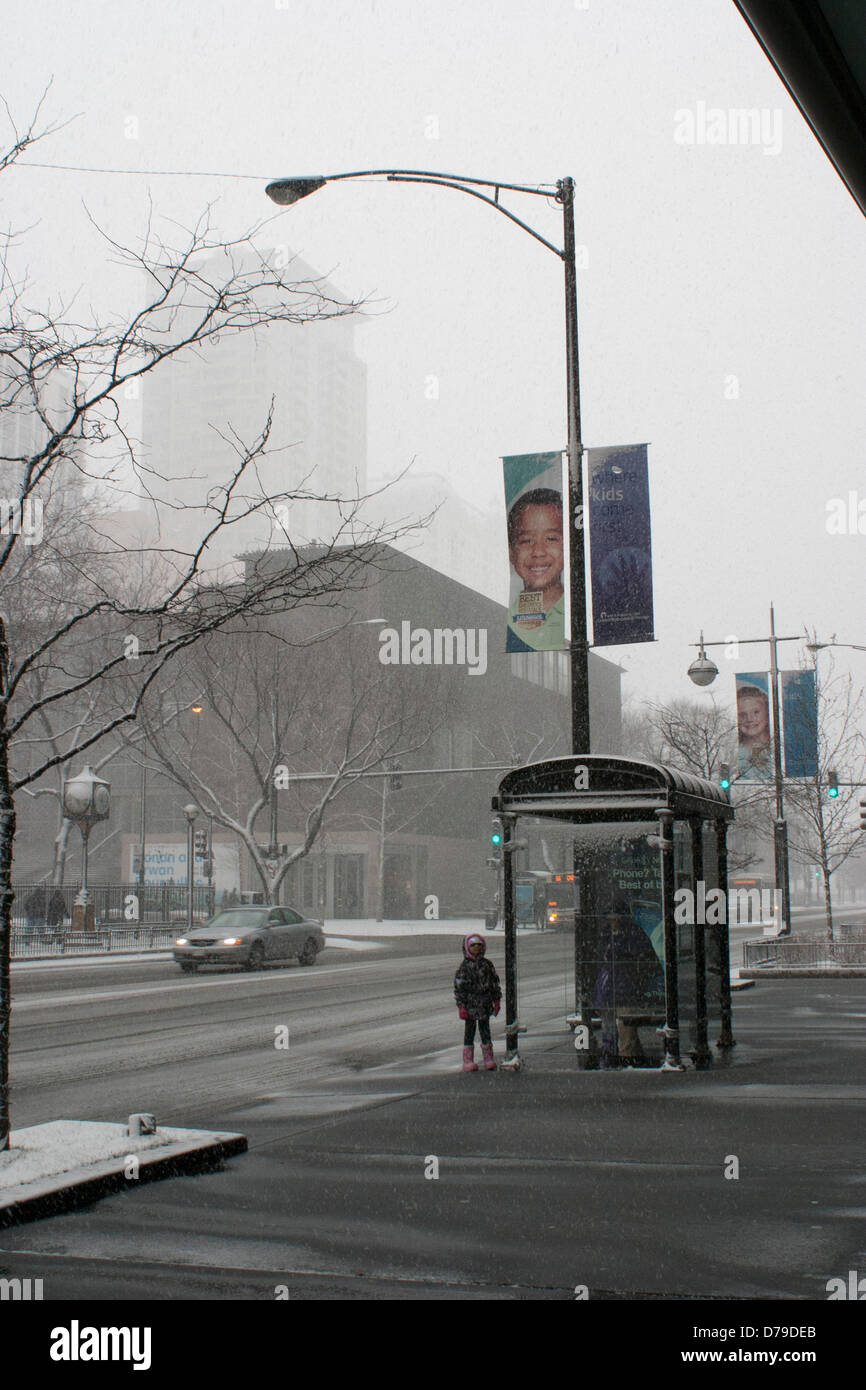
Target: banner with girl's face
[
  {"x": 754, "y": 734},
  {"x": 536, "y": 550},
  {"x": 800, "y": 718}
]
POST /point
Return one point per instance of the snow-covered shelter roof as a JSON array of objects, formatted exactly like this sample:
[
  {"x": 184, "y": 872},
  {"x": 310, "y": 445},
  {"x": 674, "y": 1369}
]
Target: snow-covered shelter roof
[{"x": 602, "y": 787}]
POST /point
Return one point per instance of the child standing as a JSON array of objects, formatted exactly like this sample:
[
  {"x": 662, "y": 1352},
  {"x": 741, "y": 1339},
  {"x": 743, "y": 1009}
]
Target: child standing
[{"x": 478, "y": 995}]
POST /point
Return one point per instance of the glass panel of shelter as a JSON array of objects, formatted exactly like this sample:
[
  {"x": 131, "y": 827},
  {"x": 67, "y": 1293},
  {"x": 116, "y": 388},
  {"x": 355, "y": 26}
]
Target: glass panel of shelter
[{"x": 610, "y": 916}]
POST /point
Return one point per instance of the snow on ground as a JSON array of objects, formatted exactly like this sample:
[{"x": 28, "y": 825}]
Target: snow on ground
[
  {"x": 344, "y": 943},
  {"x": 44, "y": 1151},
  {"x": 460, "y": 926}
]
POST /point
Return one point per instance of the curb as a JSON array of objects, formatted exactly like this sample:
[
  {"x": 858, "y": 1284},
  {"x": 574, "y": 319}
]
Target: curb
[
  {"x": 803, "y": 972},
  {"x": 81, "y": 1186}
]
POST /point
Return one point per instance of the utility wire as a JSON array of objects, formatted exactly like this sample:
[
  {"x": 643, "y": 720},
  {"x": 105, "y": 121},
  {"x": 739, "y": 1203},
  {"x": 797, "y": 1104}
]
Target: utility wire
[{"x": 144, "y": 173}]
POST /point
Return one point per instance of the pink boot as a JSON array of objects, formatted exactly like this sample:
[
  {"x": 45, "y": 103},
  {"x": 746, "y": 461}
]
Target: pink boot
[
  {"x": 487, "y": 1054},
  {"x": 469, "y": 1063}
]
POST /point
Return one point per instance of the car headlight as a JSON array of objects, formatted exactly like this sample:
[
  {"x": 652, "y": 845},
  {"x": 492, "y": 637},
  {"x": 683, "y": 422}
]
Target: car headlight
[
  {"x": 181, "y": 941},
  {"x": 231, "y": 941}
]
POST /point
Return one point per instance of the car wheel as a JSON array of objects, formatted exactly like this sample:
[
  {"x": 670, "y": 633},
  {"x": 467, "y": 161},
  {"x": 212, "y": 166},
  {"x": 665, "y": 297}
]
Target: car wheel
[
  {"x": 256, "y": 957},
  {"x": 310, "y": 951},
  {"x": 188, "y": 967}
]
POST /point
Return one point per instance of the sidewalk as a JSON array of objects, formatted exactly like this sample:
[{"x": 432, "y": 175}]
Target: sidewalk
[{"x": 739, "y": 1182}]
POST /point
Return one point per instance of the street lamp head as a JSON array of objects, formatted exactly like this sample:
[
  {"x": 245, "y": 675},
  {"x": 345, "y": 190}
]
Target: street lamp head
[
  {"x": 288, "y": 191},
  {"x": 190, "y": 811},
  {"x": 86, "y": 798},
  {"x": 703, "y": 671},
  {"x": 816, "y": 646}
]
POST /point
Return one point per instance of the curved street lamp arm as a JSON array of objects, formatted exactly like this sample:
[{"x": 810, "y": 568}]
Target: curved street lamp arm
[
  {"x": 491, "y": 202},
  {"x": 549, "y": 190},
  {"x": 287, "y": 191}
]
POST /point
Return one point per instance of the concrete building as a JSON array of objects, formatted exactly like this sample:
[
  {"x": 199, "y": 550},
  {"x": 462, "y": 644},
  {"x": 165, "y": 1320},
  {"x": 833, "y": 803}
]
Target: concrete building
[
  {"x": 395, "y": 847},
  {"x": 318, "y": 439}
]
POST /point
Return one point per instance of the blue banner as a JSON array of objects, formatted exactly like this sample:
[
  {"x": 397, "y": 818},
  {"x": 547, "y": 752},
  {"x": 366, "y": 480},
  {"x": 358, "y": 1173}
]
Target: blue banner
[
  {"x": 620, "y": 545},
  {"x": 800, "y": 723}
]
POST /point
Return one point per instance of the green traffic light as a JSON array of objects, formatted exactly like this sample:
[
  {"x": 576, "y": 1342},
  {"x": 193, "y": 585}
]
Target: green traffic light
[{"x": 496, "y": 838}]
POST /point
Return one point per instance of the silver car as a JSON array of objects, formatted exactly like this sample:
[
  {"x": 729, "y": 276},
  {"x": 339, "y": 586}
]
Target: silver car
[{"x": 251, "y": 937}]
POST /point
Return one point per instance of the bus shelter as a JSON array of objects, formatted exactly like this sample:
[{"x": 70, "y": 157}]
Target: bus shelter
[{"x": 646, "y": 851}]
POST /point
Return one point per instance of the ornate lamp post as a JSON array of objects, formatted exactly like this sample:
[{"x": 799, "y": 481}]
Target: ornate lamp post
[
  {"x": 86, "y": 800},
  {"x": 190, "y": 811}
]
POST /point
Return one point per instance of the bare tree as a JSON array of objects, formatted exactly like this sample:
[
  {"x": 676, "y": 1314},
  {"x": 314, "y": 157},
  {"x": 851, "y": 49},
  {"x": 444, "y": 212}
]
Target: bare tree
[
  {"x": 72, "y": 523},
  {"x": 73, "y": 631},
  {"x": 820, "y": 830},
  {"x": 508, "y": 741},
  {"x": 700, "y": 738},
  {"x": 288, "y": 723}
]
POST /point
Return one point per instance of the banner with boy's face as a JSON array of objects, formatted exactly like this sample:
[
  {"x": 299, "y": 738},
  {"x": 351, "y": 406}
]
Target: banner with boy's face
[
  {"x": 536, "y": 551},
  {"x": 754, "y": 734}
]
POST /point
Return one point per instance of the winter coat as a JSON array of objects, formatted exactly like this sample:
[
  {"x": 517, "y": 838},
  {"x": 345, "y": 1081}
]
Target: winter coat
[
  {"x": 630, "y": 971},
  {"x": 476, "y": 984}
]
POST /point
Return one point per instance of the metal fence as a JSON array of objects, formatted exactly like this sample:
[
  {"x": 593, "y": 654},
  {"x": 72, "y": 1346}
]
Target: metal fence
[
  {"x": 806, "y": 951},
  {"x": 44, "y": 905},
  {"x": 47, "y": 941}
]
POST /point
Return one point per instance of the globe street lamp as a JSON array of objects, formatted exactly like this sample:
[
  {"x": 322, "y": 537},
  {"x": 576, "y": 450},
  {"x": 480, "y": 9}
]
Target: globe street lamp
[
  {"x": 86, "y": 800},
  {"x": 287, "y": 191},
  {"x": 703, "y": 672},
  {"x": 190, "y": 811}
]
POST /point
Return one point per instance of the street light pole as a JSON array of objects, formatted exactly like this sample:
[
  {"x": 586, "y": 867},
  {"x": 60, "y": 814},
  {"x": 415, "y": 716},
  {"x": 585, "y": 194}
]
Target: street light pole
[
  {"x": 142, "y": 841},
  {"x": 780, "y": 828},
  {"x": 190, "y": 811},
  {"x": 576, "y": 578},
  {"x": 287, "y": 191},
  {"x": 703, "y": 672}
]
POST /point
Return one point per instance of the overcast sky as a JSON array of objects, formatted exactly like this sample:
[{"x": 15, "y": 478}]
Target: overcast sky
[{"x": 705, "y": 263}]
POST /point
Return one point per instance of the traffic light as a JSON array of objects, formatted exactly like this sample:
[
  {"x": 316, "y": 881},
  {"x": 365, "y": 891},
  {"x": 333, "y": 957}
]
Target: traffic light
[
  {"x": 862, "y": 815},
  {"x": 725, "y": 776},
  {"x": 395, "y": 782},
  {"x": 201, "y": 844},
  {"x": 495, "y": 859},
  {"x": 833, "y": 784}
]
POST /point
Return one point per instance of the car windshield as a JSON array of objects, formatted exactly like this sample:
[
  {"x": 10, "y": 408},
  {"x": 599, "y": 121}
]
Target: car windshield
[{"x": 238, "y": 919}]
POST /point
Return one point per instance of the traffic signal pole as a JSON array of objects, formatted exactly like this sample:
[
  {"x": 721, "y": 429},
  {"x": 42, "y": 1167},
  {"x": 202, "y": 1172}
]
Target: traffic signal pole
[
  {"x": 780, "y": 828},
  {"x": 512, "y": 1058}
]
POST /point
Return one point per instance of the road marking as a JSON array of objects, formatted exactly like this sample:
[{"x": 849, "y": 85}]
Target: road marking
[{"x": 43, "y": 1000}]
